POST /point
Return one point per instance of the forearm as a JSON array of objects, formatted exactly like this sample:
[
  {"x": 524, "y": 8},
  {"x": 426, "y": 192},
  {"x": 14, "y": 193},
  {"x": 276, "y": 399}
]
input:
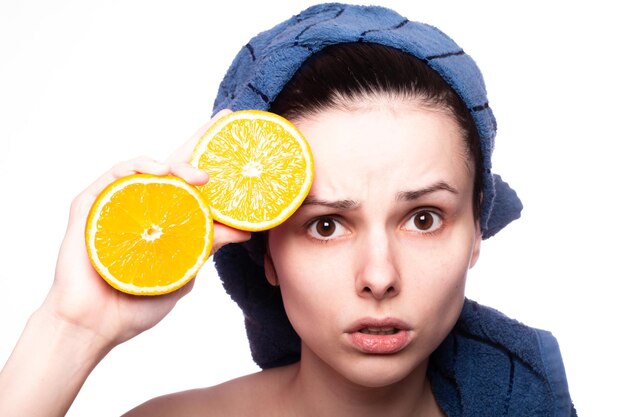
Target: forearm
[{"x": 47, "y": 368}]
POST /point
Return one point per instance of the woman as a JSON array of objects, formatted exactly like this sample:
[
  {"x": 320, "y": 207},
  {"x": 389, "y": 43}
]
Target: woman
[{"x": 355, "y": 305}]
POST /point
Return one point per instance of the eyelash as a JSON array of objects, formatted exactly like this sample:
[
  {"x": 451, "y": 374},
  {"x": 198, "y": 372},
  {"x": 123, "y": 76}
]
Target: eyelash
[
  {"x": 437, "y": 218},
  {"x": 316, "y": 221},
  {"x": 438, "y": 221}
]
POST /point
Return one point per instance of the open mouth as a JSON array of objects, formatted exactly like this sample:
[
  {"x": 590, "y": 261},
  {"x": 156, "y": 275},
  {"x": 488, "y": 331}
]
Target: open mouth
[
  {"x": 379, "y": 331},
  {"x": 380, "y": 339}
]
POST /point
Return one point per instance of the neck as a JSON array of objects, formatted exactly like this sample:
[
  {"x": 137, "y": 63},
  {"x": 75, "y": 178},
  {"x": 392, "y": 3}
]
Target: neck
[{"x": 319, "y": 390}]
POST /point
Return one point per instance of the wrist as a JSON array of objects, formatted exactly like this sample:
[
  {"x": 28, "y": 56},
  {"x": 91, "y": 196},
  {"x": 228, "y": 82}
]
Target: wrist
[
  {"x": 87, "y": 345},
  {"x": 51, "y": 361}
]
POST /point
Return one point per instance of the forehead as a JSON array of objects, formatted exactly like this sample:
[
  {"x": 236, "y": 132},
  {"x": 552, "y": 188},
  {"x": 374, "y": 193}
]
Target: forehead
[{"x": 393, "y": 147}]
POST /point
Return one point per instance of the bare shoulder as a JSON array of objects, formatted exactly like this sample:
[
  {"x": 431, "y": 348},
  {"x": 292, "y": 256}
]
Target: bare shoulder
[{"x": 242, "y": 396}]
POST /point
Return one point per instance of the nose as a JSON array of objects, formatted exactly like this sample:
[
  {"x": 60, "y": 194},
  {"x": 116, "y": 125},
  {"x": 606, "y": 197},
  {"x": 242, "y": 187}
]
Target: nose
[{"x": 377, "y": 274}]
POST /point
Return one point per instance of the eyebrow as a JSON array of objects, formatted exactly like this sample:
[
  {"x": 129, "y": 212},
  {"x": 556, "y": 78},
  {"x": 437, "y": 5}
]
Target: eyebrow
[
  {"x": 337, "y": 204},
  {"x": 348, "y": 204},
  {"x": 416, "y": 194}
]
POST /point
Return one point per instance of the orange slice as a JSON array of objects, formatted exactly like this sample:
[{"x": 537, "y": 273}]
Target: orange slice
[
  {"x": 260, "y": 168},
  {"x": 149, "y": 235}
]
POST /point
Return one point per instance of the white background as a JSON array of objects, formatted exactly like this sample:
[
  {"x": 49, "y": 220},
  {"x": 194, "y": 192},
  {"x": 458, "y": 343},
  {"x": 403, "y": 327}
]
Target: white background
[{"x": 85, "y": 84}]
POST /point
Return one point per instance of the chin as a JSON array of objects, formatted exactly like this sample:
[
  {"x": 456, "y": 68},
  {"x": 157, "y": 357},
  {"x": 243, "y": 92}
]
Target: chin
[{"x": 378, "y": 371}]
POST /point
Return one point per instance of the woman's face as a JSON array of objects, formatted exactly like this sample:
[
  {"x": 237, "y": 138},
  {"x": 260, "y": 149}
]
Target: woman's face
[{"x": 372, "y": 266}]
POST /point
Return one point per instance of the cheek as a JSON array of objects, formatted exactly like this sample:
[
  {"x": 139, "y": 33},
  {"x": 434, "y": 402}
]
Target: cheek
[
  {"x": 313, "y": 279},
  {"x": 435, "y": 277},
  {"x": 446, "y": 292},
  {"x": 309, "y": 279},
  {"x": 438, "y": 282}
]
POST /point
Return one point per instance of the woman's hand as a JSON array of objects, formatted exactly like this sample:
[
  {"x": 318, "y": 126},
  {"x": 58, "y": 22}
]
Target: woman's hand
[
  {"x": 83, "y": 318},
  {"x": 81, "y": 297}
]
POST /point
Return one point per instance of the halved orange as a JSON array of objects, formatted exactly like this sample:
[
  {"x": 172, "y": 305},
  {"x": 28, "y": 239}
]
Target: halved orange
[
  {"x": 260, "y": 168},
  {"x": 149, "y": 235}
]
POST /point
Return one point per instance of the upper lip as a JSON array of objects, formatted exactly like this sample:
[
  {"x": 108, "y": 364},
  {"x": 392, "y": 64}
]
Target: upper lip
[{"x": 386, "y": 323}]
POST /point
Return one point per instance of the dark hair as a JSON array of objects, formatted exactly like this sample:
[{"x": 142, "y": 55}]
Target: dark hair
[{"x": 340, "y": 73}]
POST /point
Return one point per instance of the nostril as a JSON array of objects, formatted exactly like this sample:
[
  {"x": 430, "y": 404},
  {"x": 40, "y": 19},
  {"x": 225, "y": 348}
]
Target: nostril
[{"x": 389, "y": 291}]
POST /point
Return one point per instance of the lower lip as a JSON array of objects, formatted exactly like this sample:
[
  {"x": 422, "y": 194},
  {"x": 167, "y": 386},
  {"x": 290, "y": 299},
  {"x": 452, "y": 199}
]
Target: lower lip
[{"x": 380, "y": 344}]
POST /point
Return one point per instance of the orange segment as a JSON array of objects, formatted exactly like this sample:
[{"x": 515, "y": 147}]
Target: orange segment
[
  {"x": 260, "y": 169},
  {"x": 149, "y": 235}
]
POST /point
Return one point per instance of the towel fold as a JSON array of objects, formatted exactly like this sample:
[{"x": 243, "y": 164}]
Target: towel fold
[
  {"x": 264, "y": 65},
  {"x": 491, "y": 365}
]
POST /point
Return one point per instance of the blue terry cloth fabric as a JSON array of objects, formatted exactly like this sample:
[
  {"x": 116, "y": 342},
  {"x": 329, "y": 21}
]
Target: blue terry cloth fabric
[
  {"x": 486, "y": 354},
  {"x": 270, "y": 59},
  {"x": 491, "y": 365}
]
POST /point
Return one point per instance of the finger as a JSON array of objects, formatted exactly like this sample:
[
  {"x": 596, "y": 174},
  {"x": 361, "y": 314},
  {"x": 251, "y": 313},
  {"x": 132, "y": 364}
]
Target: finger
[
  {"x": 191, "y": 175},
  {"x": 179, "y": 293},
  {"x": 183, "y": 154},
  {"x": 186, "y": 289},
  {"x": 142, "y": 165},
  {"x": 223, "y": 235},
  {"x": 82, "y": 203}
]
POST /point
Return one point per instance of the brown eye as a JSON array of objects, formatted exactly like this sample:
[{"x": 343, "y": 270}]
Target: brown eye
[
  {"x": 325, "y": 227},
  {"x": 424, "y": 221}
]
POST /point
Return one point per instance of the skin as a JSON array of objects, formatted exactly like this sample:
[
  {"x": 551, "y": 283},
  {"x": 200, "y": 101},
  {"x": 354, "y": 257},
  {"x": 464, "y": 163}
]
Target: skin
[
  {"x": 375, "y": 263},
  {"x": 82, "y": 318},
  {"x": 379, "y": 166}
]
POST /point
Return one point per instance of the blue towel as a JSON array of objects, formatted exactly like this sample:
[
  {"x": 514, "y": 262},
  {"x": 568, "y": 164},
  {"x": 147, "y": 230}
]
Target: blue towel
[
  {"x": 270, "y": 59},
  {"x": 489, "y": 365}
]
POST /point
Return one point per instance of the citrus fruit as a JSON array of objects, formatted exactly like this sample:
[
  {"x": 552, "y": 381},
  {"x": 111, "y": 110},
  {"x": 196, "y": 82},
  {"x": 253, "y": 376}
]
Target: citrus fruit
[
  {"x": 260, "y": 168},
  {"x": 149, "y": 235}
]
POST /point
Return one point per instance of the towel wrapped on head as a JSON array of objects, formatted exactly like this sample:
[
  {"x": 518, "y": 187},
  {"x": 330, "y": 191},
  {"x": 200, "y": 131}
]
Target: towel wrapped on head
[{"x": 520, "y": 360}]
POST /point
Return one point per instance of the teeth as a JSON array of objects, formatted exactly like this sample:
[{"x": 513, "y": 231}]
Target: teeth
[{"x": 379, "y": 330}]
